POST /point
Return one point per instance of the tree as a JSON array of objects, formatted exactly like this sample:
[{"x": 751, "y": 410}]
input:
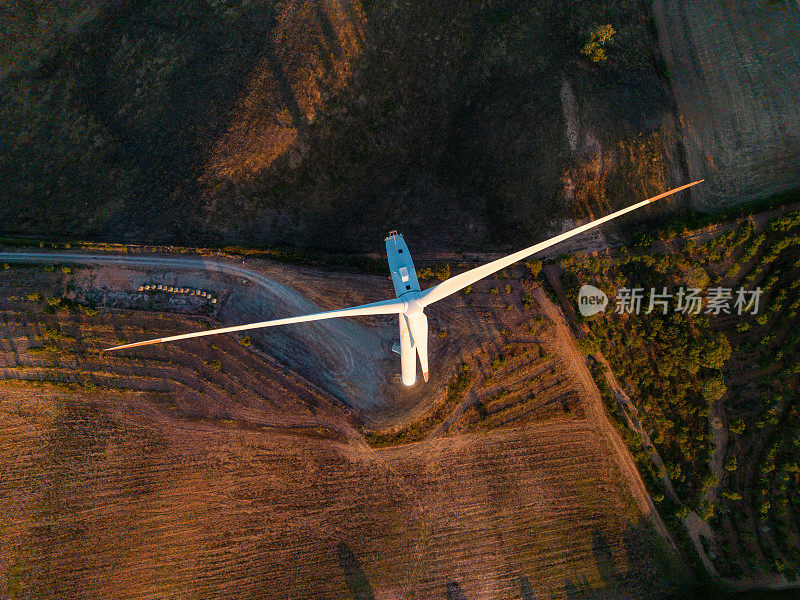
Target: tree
[
  {"x": 588, "y": 345},
  {"x": 736, "y": 426},
  {"x": 593, "y": 48},
  {"x": 715, "y": 352},
  {"x": 443, "y": 271},
  {"x": 424, "y": 273},
  {"x": 712, "y": 388},
  {"x": 534, "y": 265}
]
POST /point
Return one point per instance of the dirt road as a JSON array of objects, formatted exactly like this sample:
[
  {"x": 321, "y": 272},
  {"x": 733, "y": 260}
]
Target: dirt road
[{"x": 339, "y": 355}]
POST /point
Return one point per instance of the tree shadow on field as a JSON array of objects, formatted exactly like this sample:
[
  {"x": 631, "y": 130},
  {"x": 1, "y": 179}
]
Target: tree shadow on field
[
  {"x": 610, "y": 576},
  {"x": 604, "y": 560},
  {"x": 650, "y": 559},
  {"x": 525, "y": 589},
  {"x": 353, "y": 574},
  {"x": 454, "y": 592},
  {"x": 578, "y": 590}
]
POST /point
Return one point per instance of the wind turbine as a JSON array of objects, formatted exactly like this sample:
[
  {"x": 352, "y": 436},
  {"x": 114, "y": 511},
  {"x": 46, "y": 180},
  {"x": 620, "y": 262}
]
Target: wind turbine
[{"x": 411, "y": 300}]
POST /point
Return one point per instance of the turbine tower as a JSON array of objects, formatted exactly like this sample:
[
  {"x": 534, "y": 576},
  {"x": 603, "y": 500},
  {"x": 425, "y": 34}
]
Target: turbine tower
[{"x": 411, "y": 301}]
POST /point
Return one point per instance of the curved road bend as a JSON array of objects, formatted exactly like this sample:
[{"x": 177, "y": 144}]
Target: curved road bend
[{"x": 345, "y": 371}]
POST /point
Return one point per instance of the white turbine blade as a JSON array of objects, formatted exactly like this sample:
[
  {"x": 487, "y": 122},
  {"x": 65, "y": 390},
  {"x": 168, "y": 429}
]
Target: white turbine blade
[
  {"x": 454, "y": 284},
  {"x": 384, "y": 307}
]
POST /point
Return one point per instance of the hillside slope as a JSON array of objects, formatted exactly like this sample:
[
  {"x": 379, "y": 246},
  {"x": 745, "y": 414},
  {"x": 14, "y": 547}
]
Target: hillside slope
[{"x": 279, "y": 122}]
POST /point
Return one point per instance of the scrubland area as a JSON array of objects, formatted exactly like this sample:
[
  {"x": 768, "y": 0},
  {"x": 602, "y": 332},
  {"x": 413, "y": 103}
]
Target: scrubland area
[{"x": 715, "y": 394}]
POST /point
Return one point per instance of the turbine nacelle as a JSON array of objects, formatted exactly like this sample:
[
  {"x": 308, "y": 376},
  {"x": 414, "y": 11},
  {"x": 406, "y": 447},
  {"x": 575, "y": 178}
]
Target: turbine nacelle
[{"x": 413, "y": 322}]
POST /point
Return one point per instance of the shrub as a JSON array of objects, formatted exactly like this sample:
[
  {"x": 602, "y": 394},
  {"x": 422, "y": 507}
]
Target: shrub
[
  {"x": 424, "y": 274},
  {"x": 709, "y": 481},
  {"x": 732, "y": 271},
  {"x": 498, "y": 361},
  {"x": 593, "y": 48},
  {"x": 534, "y": 266},
  {"x": 681, "y": 512},
  {"x": 527, "y": 301},
  {"x": 245, "y": 340},
  {"x": 443, "y": 271}
]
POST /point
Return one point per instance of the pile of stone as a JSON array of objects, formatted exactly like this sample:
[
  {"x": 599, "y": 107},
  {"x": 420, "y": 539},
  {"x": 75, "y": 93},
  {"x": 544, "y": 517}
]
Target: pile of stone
[{"x": 178, "y": 290}]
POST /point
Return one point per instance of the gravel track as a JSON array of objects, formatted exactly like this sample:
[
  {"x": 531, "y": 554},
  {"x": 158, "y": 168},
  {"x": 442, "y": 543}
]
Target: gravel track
[{"x": 340, "y": 355}]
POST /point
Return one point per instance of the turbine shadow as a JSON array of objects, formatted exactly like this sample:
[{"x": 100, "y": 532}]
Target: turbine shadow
[
  {"x": 454, "y": 592},
  {"x": 354, "y": 575}
]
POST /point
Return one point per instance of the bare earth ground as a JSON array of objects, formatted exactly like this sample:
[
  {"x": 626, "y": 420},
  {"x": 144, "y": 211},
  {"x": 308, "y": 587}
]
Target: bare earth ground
[
  {"x": 735, "y": 76},
  {"x": 140, "y": 476},
  {"x": 338, "y": 355}
]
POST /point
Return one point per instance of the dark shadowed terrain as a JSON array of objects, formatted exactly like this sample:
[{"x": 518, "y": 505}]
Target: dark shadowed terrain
[{"x": 324, "y": 123}]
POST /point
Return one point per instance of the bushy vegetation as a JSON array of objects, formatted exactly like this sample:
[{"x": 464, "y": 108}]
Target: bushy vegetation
[
  {"x": 691, "y": 374},
  {"x": 595, "y": 46},
  {"x": 671, "y": 364}
]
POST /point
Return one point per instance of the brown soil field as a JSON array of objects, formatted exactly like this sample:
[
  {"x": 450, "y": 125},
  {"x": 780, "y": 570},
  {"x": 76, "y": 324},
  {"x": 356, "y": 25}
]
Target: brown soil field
[
  {"x": 169, "y": 473},
  {"x": 734, "y": 71}
]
